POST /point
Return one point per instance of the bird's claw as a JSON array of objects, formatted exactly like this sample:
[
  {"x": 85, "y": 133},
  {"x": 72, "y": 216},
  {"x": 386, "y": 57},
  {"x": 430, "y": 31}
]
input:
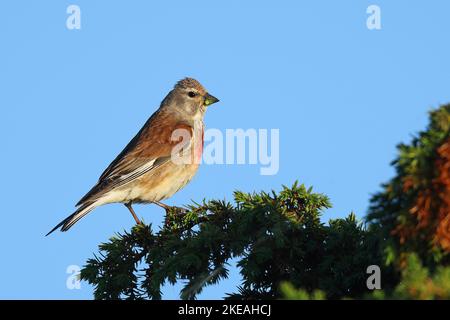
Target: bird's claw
[{"x": 174, "y": 212}]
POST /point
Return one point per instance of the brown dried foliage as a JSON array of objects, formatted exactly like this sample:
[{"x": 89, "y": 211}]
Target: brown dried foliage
[{"x": 431, "y": 210}]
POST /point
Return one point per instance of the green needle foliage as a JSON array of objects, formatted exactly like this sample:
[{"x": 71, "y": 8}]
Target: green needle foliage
[
  {"x": 275, "y": 237},
  {"x": 282, "y": 248}
]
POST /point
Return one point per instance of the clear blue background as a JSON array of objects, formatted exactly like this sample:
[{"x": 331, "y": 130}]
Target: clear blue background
[{"x": 342, "y": 96}]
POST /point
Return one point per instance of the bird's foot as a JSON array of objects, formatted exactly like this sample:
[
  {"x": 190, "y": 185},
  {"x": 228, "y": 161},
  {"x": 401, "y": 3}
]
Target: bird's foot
[
  {"x": 173, "y": 213},
  {"x": 178, "y": 210}
]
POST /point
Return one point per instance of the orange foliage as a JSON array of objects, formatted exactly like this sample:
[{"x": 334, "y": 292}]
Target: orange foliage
[
  {"x": 442, "y": 185},
  {"x": 432, "y": 206}
]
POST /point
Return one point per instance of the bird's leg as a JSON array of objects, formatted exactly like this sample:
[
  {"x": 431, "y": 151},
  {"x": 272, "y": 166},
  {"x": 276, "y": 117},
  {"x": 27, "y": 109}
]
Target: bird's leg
[
  {"x": 168, "y": 208},
  {"x": 162, "y": 205},
  {"x": 129, "y": 207}
]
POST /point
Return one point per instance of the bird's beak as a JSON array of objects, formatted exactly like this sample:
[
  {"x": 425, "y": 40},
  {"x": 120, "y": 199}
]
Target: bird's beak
[{"x": 209, "y": 100}]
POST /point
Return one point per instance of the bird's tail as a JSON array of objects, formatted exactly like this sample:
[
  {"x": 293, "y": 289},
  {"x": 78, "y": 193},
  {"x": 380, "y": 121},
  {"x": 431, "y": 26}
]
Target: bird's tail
[{"x": 68, "y": 222}]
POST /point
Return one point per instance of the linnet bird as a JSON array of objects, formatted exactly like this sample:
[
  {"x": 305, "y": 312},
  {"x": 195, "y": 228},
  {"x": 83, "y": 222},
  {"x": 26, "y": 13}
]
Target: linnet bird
[{"x": 151, "y": 168}]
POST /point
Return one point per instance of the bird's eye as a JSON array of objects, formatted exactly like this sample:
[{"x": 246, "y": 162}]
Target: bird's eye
[{"x": 192, "y": 94}]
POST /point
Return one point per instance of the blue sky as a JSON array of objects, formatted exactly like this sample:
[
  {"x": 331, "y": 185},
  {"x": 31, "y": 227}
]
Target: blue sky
[{"x": 341, "y": 95}]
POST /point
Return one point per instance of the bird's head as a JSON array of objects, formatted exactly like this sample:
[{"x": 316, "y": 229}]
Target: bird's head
[{"x": 191, "y": 97}]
